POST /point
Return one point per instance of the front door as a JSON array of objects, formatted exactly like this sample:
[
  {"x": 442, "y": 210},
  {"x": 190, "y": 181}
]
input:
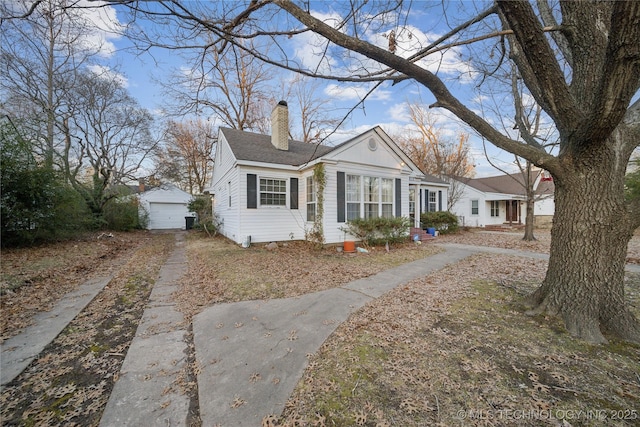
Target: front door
[{"x": 512, "y": 210}]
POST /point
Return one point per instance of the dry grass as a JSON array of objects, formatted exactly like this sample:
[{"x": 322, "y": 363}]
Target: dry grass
[
  {"x": 71, "y": 380},
  {"x": 454, "y": 344},
  {"x": 513, "y": 240},
  {"x": 34, "y": 279},
  {"x": 220, "y": 271},
  {"x": 455, "y": 348}
]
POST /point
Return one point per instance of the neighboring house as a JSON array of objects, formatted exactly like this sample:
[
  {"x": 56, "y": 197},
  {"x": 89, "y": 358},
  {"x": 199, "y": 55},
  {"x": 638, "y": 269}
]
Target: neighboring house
[
  {"x": 264, "y": 187},
  {"x": 499, "y": 200},
  {"x": 166, "y": 206}
]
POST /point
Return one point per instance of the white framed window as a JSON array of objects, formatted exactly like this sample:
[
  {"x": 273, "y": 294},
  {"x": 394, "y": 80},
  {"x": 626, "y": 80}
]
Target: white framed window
[
  {"x": 386, "y": 198},
  {"x": 353, "y": 197},
  {"x": 311, "y": 199},
  {"x": 474, "y": 207},
  {"x": 371, "y": 197},
  {"x": 495, "y": 208},
  {"x": 412, "y": 203},
  {"x": 273, "y": 192},
  {"x": 433, "y": 201}
]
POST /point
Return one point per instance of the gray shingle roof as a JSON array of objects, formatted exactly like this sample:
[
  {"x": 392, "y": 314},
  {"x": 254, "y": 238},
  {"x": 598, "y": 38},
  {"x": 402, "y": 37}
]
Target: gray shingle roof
[
  {"x": 258, "y": 148},
  {"x": 507, "y": 184}
]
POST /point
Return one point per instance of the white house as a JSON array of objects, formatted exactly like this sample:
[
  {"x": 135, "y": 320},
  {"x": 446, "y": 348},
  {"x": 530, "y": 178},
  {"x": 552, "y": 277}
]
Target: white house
[
  {"x": 264, "y": 186},
  {"x": 166, "y": 206},
  {"x": 499, "y": 200}
]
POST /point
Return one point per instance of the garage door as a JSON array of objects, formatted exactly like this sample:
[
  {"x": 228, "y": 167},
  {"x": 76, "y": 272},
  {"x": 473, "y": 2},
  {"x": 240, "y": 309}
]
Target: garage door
[{"x": 167, "y": 215}]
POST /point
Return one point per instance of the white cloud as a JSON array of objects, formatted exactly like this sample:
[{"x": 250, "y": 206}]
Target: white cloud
[
  {"x": 342, "y": 92},
  {"x": 101, "y": 27},
  {"x": 107, "y": 73},
  {"x": 399, "y": 112},
  {"x": 309, "y": 48}
]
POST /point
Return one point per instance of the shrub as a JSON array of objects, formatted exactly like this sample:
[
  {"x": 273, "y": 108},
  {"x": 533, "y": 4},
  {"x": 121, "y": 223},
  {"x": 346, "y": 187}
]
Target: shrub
[
  {"x": 35, "y": 203},
  {"x": 374, "y": 231},
  {"x": 445, "y": 222},
  {"x": 203, "y": 208},
  {"x": 122, "y": 214}
]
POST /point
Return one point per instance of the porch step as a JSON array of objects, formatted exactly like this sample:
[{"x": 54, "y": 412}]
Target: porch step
[
  {"x": 422, "y": 234},
  {"x": 503, "y": 227}
]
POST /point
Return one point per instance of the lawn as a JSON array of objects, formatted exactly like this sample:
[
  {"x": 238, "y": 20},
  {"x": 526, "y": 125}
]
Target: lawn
[{"x": 454, "y": 348}]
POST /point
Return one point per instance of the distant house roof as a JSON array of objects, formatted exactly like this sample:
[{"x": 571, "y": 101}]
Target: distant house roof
[
  {"x": 258, "y": 148},
  {"x": 507, "y": 184},
  {"x": 432, "y": 179}
]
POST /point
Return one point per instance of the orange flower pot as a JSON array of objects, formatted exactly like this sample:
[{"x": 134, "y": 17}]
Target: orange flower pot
[{"x": 349, "y": 246}]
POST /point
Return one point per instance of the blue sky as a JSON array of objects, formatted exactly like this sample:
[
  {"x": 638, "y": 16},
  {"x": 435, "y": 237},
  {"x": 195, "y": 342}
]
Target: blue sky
[{"x": 386, "y": 107}]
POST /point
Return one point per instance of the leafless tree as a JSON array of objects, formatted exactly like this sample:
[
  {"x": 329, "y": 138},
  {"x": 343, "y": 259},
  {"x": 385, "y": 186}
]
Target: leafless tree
[
  {"x": 186, "y": 156},
  {"x": 314, "y": 114},
  {"x": 436, "y": 154},
  {"x": 107, "y": 138},
  {"x": 230, "y": 87},
  {"x": 579, "y": 60},
  {"x": 42, "y": 52}
]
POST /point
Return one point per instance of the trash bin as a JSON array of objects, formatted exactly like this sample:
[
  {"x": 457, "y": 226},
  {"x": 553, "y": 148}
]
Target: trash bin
[
  {"x": 189, "y": 221},
  {"x": 432, "y": 231}
]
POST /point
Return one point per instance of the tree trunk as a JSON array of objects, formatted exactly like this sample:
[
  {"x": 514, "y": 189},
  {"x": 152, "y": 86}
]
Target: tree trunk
[
  {"x": 529, "y": 221},
  {"x": 584, "y": 283}
]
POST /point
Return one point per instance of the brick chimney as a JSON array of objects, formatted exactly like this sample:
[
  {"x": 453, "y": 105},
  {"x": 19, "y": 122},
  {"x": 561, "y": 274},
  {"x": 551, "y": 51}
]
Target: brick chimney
[{"x": 280, "y": 126}]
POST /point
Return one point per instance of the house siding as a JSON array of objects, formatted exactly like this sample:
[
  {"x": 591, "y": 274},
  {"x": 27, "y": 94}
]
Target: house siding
[
  {"x": 270, "y": 223},
  {"x": 223, "y": 174},
  {"x": 462, "y": 209}
]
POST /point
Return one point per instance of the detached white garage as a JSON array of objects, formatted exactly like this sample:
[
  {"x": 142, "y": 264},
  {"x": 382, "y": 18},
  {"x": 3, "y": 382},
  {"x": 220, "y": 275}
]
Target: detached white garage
[{"x": 166, "y": 206}]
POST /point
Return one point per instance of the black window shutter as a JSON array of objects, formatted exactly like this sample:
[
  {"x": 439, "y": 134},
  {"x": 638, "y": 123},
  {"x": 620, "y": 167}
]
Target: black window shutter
[
  {"x": 398, "y": 197},
  {"x": 252, "y": 191},
  {"x": 293, "y": 193},
  {"x": 341, "y": 197},
  {"x": 426, "y": 200},
  {"x": 439, "y": 200}
]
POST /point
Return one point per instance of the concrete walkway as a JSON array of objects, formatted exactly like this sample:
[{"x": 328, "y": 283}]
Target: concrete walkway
[
  {"x": 252, "y": 354},
  {"x": 18, "y": 352},
  {"x": 147, "y": 392},
  {"x": 632, "y": 268}
]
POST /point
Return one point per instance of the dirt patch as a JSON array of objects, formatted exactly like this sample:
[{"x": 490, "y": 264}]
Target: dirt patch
[
  {"x": 456, "y": 349},
  {"x": 71, "y": 380}
]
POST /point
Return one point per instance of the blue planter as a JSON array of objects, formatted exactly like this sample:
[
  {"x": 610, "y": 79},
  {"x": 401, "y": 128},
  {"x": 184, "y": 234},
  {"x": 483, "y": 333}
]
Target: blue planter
[{"x": 431, "y": 231}]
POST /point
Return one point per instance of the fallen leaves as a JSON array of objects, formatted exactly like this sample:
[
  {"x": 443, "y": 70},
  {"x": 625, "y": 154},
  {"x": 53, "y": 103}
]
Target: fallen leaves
[
  {"x": 70, "y": 382},
  {"x": 220, "y": 271},
  {"x": 33, "y": 279},
  {"x": 459, "y": 340}
]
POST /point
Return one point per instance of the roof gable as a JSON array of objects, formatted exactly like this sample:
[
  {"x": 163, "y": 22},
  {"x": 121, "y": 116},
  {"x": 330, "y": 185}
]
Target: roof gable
[{"x": 166, "y": 193}]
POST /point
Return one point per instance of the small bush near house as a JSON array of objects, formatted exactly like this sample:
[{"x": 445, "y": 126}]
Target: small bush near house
[
  {"x": 444, "y": 222},
  {"x": 122, "y": 215},
  {"x": 375, "y": 231},
  {"x": 203, "y": 208}
]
